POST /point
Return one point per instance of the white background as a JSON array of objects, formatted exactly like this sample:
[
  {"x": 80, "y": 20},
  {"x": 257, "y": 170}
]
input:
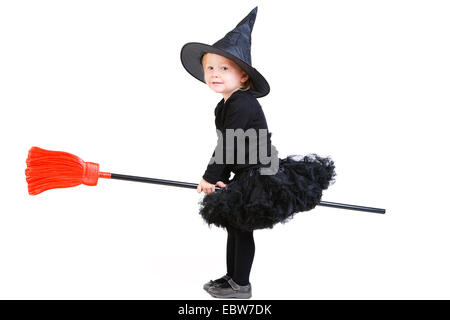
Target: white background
[{"x": 365, "y": 82}]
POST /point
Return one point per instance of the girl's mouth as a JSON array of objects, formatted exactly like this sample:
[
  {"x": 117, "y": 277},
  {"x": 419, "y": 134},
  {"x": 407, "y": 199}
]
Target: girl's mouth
[{"x": 217, "y": 82}]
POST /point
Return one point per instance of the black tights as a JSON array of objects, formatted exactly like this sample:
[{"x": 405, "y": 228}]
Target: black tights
[{"x": 240, "y": 253}]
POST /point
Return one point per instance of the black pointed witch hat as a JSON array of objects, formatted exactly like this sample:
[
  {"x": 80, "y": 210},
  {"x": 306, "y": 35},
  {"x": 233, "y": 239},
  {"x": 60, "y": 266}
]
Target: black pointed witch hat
[{"x": 235, "y": 46}]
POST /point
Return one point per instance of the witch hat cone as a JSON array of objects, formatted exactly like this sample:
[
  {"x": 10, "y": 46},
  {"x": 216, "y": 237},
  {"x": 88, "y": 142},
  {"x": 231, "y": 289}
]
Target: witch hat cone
[{"x": 236, "y": 46}]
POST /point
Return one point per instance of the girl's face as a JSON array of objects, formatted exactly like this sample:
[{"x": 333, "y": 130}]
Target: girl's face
[{"x": 222, "y": 75}]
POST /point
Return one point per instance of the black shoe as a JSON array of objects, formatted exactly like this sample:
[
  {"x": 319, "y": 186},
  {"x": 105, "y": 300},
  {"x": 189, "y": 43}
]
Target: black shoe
[
  {"x": 213, "y": 283},
  {"x": 232, "y": 291}
]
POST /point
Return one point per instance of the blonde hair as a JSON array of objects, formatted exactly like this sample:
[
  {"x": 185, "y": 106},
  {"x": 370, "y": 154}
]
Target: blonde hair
[{"x": 247, "y": 85}]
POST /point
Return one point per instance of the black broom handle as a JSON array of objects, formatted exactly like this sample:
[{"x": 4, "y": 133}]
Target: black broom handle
[{"x": 194, "y": 186}]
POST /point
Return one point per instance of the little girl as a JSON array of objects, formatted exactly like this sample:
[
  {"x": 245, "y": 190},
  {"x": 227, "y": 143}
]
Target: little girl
[{"x": 258, "y": 196}]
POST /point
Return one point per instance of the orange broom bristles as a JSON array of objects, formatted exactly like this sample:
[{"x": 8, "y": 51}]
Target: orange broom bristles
[{"x": 57, "y": 169}]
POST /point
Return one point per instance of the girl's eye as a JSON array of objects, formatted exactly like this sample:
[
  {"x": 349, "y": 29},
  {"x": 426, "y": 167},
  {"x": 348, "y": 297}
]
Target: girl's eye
[{"x": 211, "y": 68}]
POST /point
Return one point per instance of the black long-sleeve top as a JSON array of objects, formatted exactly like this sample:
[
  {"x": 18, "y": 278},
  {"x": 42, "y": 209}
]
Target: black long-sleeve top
[{"x": 241, "y": 111}]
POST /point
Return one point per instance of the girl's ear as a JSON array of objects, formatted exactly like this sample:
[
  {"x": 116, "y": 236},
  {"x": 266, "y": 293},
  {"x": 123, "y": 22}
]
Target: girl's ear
[{"x": 244, "y": 77}]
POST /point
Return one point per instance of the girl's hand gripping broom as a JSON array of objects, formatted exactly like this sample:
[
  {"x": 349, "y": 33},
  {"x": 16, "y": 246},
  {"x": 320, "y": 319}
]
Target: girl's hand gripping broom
[{"x": 57, "y": 169}]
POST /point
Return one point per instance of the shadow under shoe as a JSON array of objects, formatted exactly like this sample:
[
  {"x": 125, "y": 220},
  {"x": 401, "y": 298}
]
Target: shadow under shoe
[{"x": 233, "y": 291}]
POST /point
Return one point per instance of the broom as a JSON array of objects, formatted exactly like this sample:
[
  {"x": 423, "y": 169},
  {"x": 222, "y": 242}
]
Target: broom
[{"x": 57, "y": 169}]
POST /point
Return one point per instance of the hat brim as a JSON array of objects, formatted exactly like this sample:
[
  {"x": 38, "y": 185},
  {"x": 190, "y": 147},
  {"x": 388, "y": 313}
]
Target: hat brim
[{"x": 191, "y": 58}]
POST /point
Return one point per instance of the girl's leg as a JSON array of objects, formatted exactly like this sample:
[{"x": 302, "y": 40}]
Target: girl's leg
[
  {"x": 244, "y": 252},
  {"x": 231, "y": 240},
  {"x": 240, "y": 253}
]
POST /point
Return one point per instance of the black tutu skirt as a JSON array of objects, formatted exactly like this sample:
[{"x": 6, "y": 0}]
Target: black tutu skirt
[{"x": 254, "y": 201}]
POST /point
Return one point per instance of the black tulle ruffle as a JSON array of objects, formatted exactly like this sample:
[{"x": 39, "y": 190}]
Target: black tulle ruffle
[{"x": 254, "y": 201}]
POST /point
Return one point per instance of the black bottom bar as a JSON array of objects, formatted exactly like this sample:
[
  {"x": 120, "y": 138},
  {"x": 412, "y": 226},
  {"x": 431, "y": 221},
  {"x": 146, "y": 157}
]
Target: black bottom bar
[{"x": 227, "y": 309}]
